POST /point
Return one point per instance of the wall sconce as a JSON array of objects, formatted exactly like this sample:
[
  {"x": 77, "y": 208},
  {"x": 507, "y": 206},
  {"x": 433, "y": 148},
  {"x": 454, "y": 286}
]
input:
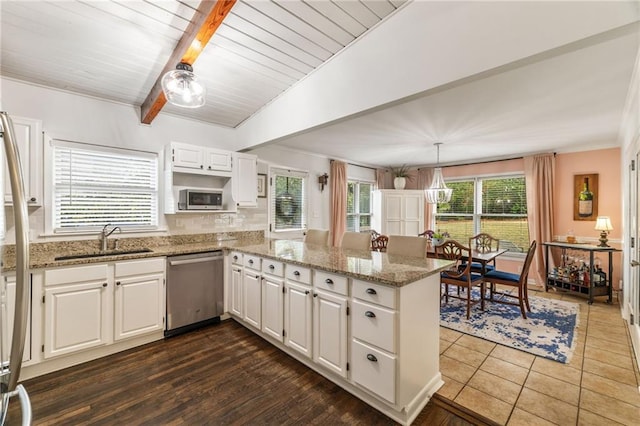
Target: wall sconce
[{"x": 323, "y": 180}]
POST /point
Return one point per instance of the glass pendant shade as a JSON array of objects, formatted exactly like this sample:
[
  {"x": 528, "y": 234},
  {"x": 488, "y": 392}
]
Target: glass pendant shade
[
  {"x": 438, "y": 191},
  {"x": 182, "y": 88}
]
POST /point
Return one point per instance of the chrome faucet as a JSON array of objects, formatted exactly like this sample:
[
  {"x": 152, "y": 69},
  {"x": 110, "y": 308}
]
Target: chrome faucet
[{"x": 104, "y": 235}]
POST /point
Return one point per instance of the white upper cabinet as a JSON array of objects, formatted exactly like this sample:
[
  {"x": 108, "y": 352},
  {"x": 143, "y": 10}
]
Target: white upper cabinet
[
  {"x": 196, "y": 159},
  {"x": 398, "y": 212},
  {"x": 29, "y": 140},
  {"x": 245, "y": 180}
]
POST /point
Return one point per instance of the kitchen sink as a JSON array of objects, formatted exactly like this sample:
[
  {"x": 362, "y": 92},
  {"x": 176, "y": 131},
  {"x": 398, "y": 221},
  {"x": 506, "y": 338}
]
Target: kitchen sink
[{"x": 103, "y": 254}]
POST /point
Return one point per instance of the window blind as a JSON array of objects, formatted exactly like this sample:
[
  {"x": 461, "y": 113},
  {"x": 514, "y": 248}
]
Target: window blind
[{"x": 93, "y": 186}]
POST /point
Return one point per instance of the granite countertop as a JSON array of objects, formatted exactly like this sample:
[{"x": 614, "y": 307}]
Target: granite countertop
[{"x": 374, "y": 266}]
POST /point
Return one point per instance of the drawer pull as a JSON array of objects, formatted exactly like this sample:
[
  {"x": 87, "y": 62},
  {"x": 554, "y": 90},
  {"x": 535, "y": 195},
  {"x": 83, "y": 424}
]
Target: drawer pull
[
  {"x": 371, "y": 291},
  {"x": 315, "y": 294},
  {"x": 235, "y": 257},
  {"x": 372, "y": 358},
  {"x": 250, "y": 262},
  {"x": 118, "y": 283},
  {"x": 296, "y": 273},
  {"x": 328, "y": 281},
  {"x": 272, "y": 267},
  {"x": 306, "y": 292},
  {"x": 104, "y": 284},
  {"x": 369, "y": 314}
]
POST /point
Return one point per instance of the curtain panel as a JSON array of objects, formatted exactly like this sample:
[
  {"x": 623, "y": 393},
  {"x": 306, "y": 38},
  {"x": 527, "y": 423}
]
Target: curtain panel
[{"x": 338, "y": 201}]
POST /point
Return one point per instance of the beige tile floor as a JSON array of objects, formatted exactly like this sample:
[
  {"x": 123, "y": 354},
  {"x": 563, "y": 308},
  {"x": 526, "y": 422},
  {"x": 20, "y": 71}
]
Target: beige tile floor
[{"x": 599, "y": 386}]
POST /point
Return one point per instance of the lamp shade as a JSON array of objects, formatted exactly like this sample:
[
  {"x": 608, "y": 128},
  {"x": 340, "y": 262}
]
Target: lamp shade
[
  {"x": 182, "y": 88},
  {"x": 438, "y": 192},
  {"x": 603, "y": 223}
]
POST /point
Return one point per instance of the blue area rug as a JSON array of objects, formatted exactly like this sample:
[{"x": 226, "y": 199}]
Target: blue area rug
[{"x": 549, "y": 330}]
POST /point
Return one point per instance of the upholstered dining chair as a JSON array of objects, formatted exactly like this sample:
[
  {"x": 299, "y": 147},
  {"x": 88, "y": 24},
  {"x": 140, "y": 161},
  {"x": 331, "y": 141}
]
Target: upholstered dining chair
[
  {"x": 317, "y": 236},
  {"x": 519, "y": 281},
  {"x": 356, "y": 240},
  {"x": 483, "y": 243},
  {"x": 380, "y": 243},
  {"x": 407, "y": 246},
  {"x": 459, "y": 275}
]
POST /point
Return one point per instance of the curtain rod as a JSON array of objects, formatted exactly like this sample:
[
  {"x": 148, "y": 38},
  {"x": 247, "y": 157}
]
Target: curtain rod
[
  {"x": 484, "y": 162},
  {"x": 357, "y": 165}
]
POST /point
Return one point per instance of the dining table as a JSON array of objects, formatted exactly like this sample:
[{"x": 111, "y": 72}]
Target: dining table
[{"x": 479, "y": 256}]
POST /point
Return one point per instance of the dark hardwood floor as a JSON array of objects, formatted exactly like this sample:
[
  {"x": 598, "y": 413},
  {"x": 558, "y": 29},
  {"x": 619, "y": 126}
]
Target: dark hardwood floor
[{"x": 221, "y": 374}]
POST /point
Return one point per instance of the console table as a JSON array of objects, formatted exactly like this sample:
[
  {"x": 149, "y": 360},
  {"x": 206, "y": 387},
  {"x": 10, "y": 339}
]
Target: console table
[{"x": 579, "y": 278}]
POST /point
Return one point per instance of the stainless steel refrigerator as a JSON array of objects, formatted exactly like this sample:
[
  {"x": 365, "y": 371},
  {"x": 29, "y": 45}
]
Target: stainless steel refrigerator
[{"x": 12, "y": 339}]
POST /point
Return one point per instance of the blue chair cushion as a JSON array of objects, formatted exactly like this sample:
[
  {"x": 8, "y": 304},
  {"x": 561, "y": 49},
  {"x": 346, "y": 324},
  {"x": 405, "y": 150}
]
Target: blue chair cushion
[
  {"x": 462, "y": 278},
  {"x": 477, "y": 267},
  {"x": 501, "y": 275}
]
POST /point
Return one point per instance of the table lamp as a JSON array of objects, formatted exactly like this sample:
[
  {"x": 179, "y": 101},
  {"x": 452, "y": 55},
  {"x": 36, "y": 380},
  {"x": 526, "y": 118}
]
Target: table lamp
[{"x": 603, "y": 223}]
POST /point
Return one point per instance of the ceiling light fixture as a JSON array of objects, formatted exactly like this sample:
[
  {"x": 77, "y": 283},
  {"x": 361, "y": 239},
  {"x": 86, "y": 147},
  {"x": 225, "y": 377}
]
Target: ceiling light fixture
[
  {"x": 182, "y": 88},
  {"x": 438, "y": 191}
]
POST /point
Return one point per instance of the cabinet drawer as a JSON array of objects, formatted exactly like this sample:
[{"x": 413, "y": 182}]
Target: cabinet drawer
[
  {"x": 374, "y": 370},
  {"x": 298, "y": 273},
  {"x": 374, "y": 293},
  {"x": 331, "y": 282},
  {"x": 236, "y": 258},
  {"x": 273, "y": 267},
  {"x": 252, "y": 262},
  {"x": 140, "y": 267},
  {"x": 77, "y": 274},
  {"x": 374, "y": 324}
]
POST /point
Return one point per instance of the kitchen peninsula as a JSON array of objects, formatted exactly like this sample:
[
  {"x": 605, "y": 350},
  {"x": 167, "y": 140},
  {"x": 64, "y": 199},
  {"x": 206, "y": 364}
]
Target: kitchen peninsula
[{"x": 367, "y": 321}]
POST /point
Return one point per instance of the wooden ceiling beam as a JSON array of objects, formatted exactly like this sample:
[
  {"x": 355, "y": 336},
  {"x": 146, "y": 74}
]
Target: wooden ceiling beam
[{"x": 207, "y": 19}]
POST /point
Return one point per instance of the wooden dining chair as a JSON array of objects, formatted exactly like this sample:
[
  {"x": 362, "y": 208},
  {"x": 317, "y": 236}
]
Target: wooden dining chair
[
  {"x": 458, "y": 275},
  {"x": 380, "y": 243},
  {"x": 356, "y": 241},
  {"x": 519, "y": 281},
  {"x": 483, "y": 243},
  {"x": 407, "y": 246},
  {"x": 317, "y": 237}
]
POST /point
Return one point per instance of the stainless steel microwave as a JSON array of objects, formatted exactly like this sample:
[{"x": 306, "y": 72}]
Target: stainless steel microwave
[{"x": 200, "y": 199}]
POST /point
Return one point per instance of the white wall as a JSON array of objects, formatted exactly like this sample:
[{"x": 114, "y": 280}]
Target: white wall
[{"x": 84, "y": 119}]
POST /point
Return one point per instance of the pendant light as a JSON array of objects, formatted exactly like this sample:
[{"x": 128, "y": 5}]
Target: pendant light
[
  {"x": 181, "y": 87},
  {"x": 438, "y": 191}
]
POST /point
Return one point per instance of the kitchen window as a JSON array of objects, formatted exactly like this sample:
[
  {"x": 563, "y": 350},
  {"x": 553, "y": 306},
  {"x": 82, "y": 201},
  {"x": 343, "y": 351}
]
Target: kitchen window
[
  {"x": 288, "y": 200},
  {"x": 358, "y": 206},
  {"x": 495, "y": 205},
  {"x": 95, "y": 185}
]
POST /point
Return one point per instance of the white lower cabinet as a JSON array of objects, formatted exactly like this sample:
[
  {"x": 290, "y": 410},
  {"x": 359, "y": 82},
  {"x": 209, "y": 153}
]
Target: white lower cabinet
[
  {"x": 235, "y": 304},
  {"x": 272, "y": 299},
  {"x": 77, "y": 305},
  {"x": 373, "y": 369},
  {"x": 298, "y": 318},
  {"x": 252, "y": 298},
  {"x": 330, "y": 328},
  {"x": 7, "y": 310},
  {"x": 139, "y": 297},
  {"x": 90, "y": 306}
]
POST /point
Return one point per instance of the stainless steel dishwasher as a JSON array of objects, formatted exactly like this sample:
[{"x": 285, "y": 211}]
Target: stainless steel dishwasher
[{"x": 195, "y": 284}]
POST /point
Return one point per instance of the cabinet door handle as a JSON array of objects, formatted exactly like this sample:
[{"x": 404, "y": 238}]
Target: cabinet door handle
[
  {"x": 118, "y": 283},
  {"x": 250, "y": 262},
  {"x": 369, "y": 314},
  {"x": 201, "y": 166},
  {"x": 272, "y": 267},
  {"x": 104, "y": 284},
  {"x": 328, "y": 281},
  {"x": 296, "y": 273},
  {"x": 372, "y": 358},
  {"x": 32, "y": 199},
  {"x": 371, "y": 291},
  {"x": 315, "y": 294},
  {"x": 235, "y": 257},
  {"x": 306, "y": 292}
]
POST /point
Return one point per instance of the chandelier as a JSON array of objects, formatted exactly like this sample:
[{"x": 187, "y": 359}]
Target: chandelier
[
  {"x": 181, "y": 87},
  {"x": 438, "y": 191}
]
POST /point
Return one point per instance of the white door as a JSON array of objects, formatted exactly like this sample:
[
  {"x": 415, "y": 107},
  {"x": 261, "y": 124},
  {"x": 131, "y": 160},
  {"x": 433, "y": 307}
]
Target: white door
[
  {"x": 252, "y": 299},
  {"x": 393, "y": 216},
  {"x": 297, "y": 318},
  {"x": 138, "y": 305},
  {"x": 412, "y": 214},
  {"x": 633, "y": 288},
  {"x": 76, "y": 317},
  {"x": 236, "y": 292},
  {"x": 188, "y": 156},
  {"x": 330, "y": 332},
  {"x": 272, "y": 304}
]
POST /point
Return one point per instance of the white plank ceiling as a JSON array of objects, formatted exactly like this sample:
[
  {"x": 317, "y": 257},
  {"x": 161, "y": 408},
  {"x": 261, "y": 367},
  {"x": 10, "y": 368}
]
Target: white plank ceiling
[{"x": 117, "y": 49}]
